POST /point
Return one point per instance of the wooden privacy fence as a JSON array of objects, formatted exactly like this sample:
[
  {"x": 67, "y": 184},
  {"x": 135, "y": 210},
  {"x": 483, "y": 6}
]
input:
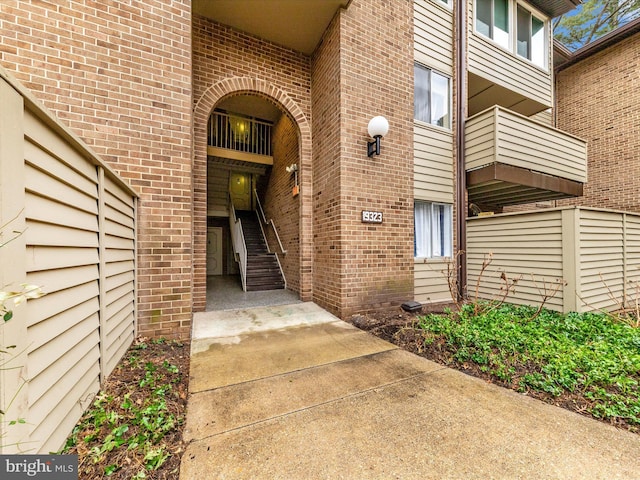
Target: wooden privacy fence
[
  {"x": 595, "y": 254},
  {"x": 73, "y": 224}
]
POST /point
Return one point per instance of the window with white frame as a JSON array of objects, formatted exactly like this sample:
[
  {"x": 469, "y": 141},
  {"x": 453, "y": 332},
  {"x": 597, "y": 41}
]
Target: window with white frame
[
  {"x": 492, "y": 20},
  {"x": 446, "y": 2},
  {"x": 433, "y": 226},
  {"x": 531, "y": 36},
  {"x": 496, "y": 19},
  {"x": 432, "y": 98}
]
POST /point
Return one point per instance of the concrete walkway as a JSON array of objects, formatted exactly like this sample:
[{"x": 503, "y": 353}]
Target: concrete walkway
[{"x": 291, "y": 392}]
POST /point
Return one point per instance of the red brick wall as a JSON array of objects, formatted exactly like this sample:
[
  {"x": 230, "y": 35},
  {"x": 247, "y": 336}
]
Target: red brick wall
[
  {"x": 228, "y": 62},
  {"x": 327, "y": 237},
  {"x": 281, "y": 205},
  {"x": 361, "y": 267},
  {"x": 598, "y": 99},
  {"x": 119, "y": 74}
]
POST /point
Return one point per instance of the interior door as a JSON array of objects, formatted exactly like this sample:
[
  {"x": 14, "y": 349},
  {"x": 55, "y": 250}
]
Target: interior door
[
  {"x": 214, "y": 251},
  {"x": 240, "y": 190}
]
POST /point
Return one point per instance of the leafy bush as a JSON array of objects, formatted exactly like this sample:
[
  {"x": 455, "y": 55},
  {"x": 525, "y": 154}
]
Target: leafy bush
[{"x": 588, "y": 354}]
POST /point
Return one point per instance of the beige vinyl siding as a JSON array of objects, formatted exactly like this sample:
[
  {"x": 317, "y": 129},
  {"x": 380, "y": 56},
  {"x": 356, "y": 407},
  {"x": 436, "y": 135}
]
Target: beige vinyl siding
[
  {"x": 632, "y": 256},
  {"x": 545, "y": 117},
  {"x": 433, "y": 35},
  {"x": 119, "y": 272},
  {"x": 433, "y": 146},
  {"x": 79, "y": 246},
  {"x": 601, "y": 259},
  {"x": 217, "y": 191},
  {"x": 433, "y": 164},
  {"x": 430, "y": 282},
  {"x": 502, "y": 67},
  {"x": 596, "y": 252},
  {"x": 524, "y": 246},
  {"x": 499, "y": 135}
]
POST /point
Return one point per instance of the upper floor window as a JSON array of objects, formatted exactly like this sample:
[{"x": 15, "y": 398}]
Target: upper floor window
[
  {"x": 431, "y": 102},
  {"x": 530, "y": 43},
  {"x": 496, "y": 19},
  {"x": 446, "y": 2},
  {"x": 492, "y": 20}
]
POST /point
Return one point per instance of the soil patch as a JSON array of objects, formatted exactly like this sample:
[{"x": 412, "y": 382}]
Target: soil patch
[{"x": 135, "y": 423}]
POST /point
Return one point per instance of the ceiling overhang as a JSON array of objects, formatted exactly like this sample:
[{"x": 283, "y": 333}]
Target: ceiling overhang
[
  {"x": 555, "y": 8},
  {"x": 295, "y": 24},
  {"x": 485, "y": 94},
  {"x": 500, "y": 185}
]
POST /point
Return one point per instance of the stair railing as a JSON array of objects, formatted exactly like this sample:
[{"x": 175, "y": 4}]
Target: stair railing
[
  {"x": 239, "y": 245},
  {"x": 263, "y": 220}
]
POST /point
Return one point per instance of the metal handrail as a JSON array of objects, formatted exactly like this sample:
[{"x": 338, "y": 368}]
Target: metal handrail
[
  {"x": 268, "y": 222},
  {"x": 239, "y": 245}
]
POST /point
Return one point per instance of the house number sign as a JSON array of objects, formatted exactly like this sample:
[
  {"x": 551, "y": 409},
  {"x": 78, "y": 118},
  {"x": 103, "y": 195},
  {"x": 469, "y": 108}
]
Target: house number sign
[{"x": 371, "y": 217}]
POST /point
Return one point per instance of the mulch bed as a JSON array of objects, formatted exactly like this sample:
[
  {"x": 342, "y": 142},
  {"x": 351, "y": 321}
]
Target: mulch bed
[{"x": 125, "y": 379}]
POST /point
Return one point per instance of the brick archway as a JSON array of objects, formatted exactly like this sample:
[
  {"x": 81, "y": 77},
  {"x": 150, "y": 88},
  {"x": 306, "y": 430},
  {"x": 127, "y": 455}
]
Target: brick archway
[{"x": 202, "y": 110}]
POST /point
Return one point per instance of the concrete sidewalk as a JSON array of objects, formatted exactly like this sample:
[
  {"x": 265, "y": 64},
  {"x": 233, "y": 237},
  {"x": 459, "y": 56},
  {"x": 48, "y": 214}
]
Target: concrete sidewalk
[{"x": 291, "y": 392}]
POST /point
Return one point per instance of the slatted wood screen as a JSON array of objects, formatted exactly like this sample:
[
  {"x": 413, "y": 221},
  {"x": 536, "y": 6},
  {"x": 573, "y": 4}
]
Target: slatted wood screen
[{"x": 78, "y": 244}]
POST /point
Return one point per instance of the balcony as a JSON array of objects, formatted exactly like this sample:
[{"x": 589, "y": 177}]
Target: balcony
[
  {"x": 240, "y": 138},
  {"x": 511, "y": 160}
]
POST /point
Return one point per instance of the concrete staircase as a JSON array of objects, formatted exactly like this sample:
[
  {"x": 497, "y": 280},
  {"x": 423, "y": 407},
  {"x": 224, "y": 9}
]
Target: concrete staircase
[{"x": 263, "y": 271}]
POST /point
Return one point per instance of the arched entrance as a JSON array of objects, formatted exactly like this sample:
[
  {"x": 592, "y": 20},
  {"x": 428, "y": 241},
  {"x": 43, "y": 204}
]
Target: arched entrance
[{"x": 240, "y": 103}]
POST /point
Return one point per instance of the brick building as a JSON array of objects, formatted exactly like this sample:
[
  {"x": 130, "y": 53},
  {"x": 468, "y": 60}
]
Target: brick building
[
  {"x": 156, "y": 88},
  {"x": 168, "y": 125},
  {"x": 598, "y": 99}
]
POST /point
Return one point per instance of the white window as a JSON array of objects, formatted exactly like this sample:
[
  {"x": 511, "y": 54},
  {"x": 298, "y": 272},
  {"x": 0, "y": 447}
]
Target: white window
[
  {"x": 531, "y": 35},
  {"x": 495, "y": 19},
  {"x": 432, "y": 98},
  {"x": 492, "y": 20},
  {"x": 433, "y": 224},
  {"x": 446, "y": 2}
]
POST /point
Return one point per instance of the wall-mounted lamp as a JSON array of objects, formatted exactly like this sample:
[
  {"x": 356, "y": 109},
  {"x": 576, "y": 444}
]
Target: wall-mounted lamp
[
  {"x": 378, "y": 128},
  {"x": 293, "y": 168}
]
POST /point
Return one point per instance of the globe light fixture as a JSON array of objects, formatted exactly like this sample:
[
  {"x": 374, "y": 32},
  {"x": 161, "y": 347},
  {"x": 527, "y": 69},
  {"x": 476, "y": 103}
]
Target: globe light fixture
[{"x": 378, "y": 128}]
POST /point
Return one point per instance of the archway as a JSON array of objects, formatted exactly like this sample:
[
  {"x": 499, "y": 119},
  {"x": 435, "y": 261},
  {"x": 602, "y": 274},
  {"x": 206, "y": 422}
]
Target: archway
[{"x": 202, "y": 111}]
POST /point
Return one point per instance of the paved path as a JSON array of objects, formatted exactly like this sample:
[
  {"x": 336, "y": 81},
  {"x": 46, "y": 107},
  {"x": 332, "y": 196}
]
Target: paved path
[{"x": 291, "y": 392}]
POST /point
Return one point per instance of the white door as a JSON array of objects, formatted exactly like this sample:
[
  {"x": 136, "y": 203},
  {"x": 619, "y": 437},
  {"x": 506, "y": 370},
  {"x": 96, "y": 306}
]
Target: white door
[{"x": 214, "y": 251}]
